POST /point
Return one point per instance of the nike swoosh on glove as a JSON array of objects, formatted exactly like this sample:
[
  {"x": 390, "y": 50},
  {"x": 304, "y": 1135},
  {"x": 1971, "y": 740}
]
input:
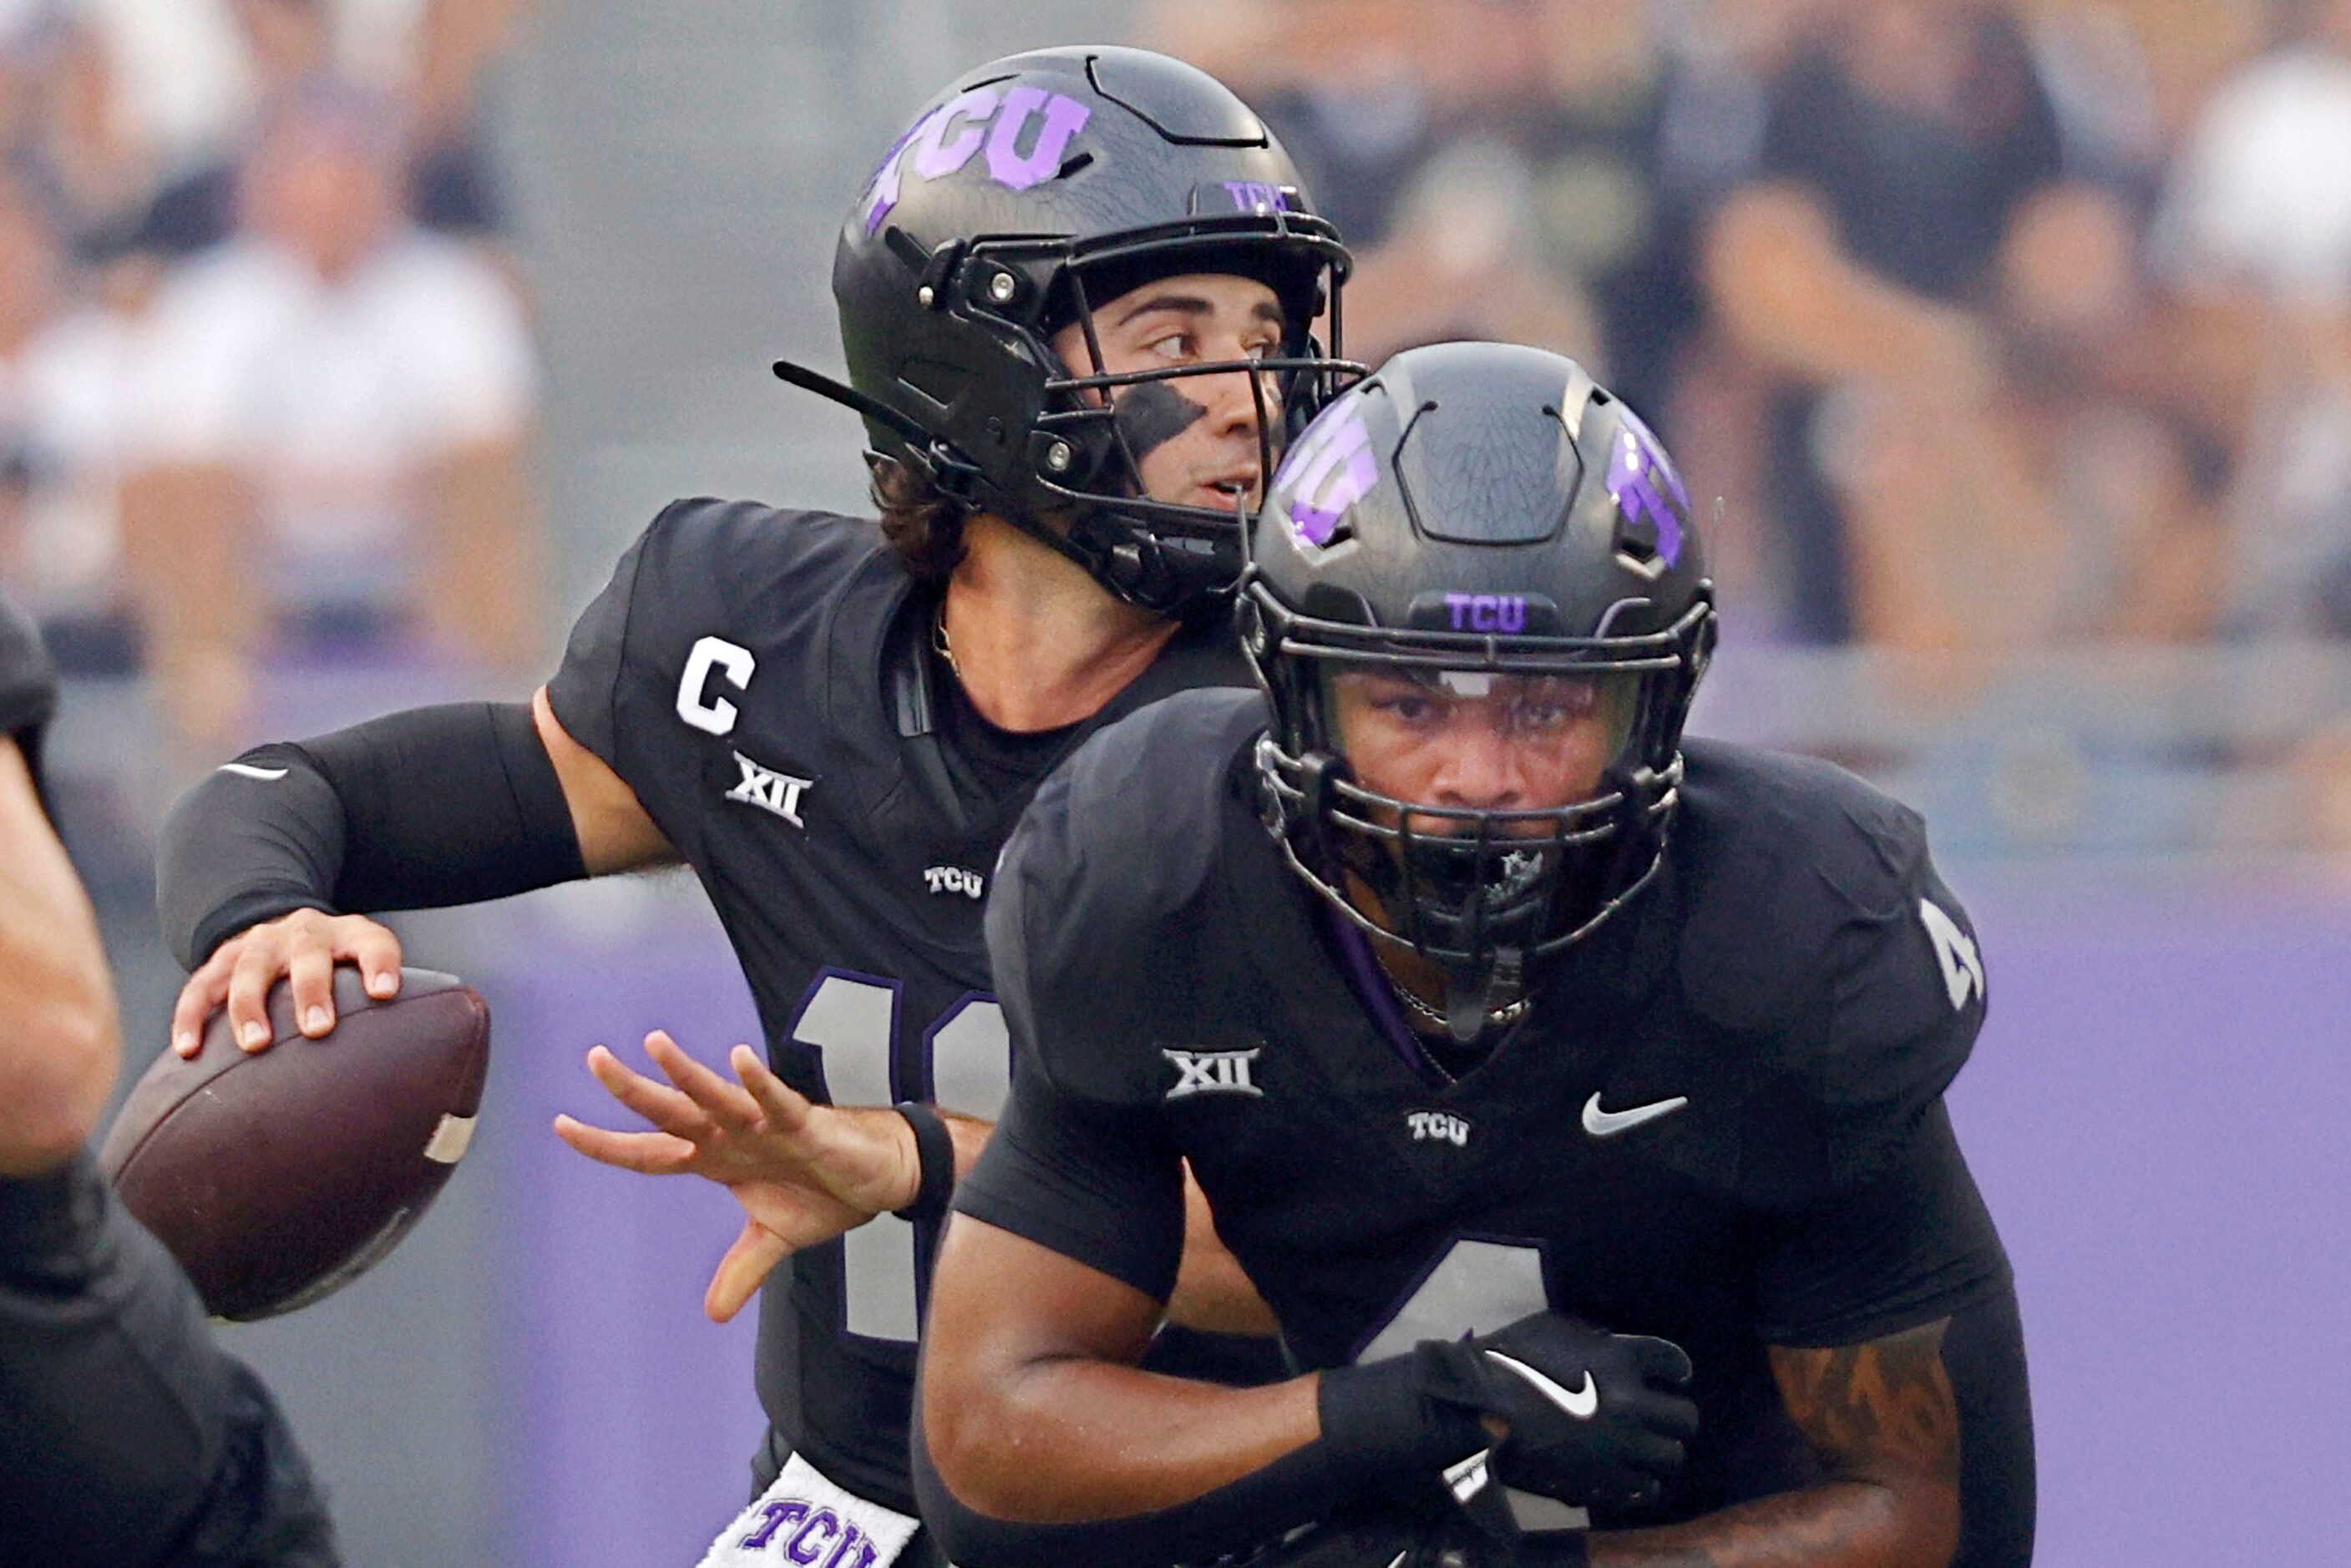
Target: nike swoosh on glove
[{"x": 1593, "y": 1417}]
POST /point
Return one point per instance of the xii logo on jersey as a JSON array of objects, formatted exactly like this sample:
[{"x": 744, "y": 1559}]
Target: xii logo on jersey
[
  {"x": 770, "y": 791},
  {"x": 1212, "y": 1073}
]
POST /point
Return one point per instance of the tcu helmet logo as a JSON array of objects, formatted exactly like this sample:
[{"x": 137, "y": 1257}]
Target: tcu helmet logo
[
  {"x": 952, "y": 880},
  {"x": 1505, "y": 613},
  {"x": 1437, "y": 1126},
  {"x": 1636, "y": 463},
  {"x": 1212, "y": 1073},
  {"x": 1330, "y": 470},
  {"x": 998, "y": 117},
  {"x": 1259, "y": 196}
]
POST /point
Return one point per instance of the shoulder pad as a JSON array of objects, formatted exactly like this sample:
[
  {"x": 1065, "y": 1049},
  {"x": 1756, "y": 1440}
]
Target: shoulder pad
[
  {"x": 1816, "y": 926},
  {"x": 1099, "y": 902},
  {"x": 758, "y": 568}
]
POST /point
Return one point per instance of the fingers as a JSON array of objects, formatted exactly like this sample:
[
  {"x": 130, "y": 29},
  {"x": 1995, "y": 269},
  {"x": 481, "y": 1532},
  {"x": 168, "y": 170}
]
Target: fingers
[
  {"x": 787, "y": 1110},
  {"x": 200, "y": 998},
  {"x": 747, "y": 1263},
  {"x": 1660, "y": 1361},
  {"x": 310, "y": 976},
  {"x": 301, "y": 948},
  {"x": 647, "y": 1153},
  {"x": 667, "y": 1108},
  {"x": 258, "y": 964},
  {"x": 375, "y": 949},
  {"x": 727, "y": 1104}
]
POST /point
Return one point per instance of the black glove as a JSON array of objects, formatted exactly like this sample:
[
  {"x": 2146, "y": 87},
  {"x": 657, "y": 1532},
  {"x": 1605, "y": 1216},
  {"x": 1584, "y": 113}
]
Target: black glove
[{"x": 1593, "y": 1417}]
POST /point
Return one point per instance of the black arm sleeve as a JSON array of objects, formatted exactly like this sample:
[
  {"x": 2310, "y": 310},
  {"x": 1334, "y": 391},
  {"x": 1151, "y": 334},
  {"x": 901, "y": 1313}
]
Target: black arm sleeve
[
  {"x": 443, "y": 806},
  {"x": 126, "y": 1434},
  {"x": 1983, "y": 1355}
]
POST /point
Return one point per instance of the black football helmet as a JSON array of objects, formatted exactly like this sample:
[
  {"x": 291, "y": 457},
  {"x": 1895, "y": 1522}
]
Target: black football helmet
[
  {"x": 1032, "y": 188},
  {"x": 1473, "y": 510}
]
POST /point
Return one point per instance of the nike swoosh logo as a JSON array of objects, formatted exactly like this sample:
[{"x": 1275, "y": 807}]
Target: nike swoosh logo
[
  {"x": 248, "y": 771},
  {"x": 1608, "y": 1124},
  {"x": 1581, "y": 1403}
]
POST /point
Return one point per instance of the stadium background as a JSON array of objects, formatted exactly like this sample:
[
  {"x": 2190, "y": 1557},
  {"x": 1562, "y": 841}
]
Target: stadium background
[{"x": 2036, "y": 467}]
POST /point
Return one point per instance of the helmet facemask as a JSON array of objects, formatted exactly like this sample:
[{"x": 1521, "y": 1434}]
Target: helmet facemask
[
  {"x": 1485, "y": 894},
  {"x": 1084, "y": 491}
]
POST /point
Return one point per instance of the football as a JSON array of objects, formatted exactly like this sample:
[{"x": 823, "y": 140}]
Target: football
[{"x": 277, "y": 1178}]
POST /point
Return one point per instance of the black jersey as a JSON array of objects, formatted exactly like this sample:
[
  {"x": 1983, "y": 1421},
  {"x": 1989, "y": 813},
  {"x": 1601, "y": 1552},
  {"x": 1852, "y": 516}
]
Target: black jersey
[
  {"x": 1719, "y": 1123},
  {"x": 763, "y": 680}
]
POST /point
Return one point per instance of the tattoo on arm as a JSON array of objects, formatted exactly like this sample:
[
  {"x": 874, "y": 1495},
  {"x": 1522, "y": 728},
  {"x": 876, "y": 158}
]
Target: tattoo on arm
[
  {"x": 1882, "y": 1409},
  {"x": 1883, "y": 1418}
]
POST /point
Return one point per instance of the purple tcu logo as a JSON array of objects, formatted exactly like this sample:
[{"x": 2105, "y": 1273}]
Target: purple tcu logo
[
  {"x": 1505, "y": 613},
  {"x": 1329, "y": 470},
  {"x": 1257, "y": 196},
  {"x": 943, "y": 141},
  {"x": 1634, "y": 467},
  {"x": 804, "y": 1534}
]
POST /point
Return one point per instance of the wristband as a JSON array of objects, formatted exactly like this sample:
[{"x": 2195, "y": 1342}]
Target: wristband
[{"x": 934, "y": 1155}]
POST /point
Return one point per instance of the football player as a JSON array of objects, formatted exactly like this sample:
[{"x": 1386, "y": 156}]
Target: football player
[
  {"x": 1077, "y": 300},
  {"x": 1571, "y": 1092},
  {"x": 127, "y": 1436}
]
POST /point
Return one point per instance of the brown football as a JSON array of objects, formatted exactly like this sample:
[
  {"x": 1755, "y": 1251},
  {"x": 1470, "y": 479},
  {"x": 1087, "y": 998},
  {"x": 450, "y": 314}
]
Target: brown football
[{"x": 279, "y": 1177}]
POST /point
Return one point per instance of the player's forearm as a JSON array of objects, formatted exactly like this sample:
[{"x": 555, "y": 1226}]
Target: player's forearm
[
  {"x": 1077, "y": 1441},
  {"x": 1838, "y": 1524},
  {"x": 1883, "y": 1416},
  {"x": 429, "y": 807},
  {"x": 58, "y": 1040}
]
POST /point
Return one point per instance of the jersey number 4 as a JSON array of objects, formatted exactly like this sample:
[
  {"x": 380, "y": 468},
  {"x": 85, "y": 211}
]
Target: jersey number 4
[
  {"x": 966, "y": 1057},
  {"x": 1476, "y": 1286}
]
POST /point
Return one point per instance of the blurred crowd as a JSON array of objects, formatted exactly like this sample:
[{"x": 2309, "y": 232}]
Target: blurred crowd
[
  {"x": 2006, "y": 332},
  {"x": 1998, "y": 324},
  {"x": 267, "y": 383}
]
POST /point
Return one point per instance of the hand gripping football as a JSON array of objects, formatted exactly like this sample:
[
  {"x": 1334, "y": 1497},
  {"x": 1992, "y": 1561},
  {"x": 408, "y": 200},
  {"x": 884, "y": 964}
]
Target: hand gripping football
[{"x": 277, "y": 1178}]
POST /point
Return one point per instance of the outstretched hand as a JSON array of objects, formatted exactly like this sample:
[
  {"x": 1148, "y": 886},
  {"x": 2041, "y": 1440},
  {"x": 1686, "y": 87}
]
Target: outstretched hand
[{"x": 804, "y": 1173}]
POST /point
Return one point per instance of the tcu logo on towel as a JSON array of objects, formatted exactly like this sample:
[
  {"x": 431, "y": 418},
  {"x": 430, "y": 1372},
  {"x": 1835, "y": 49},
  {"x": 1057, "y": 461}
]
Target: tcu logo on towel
[
  {"x": 1002, "y": 119},
  {"x": 817, "y": 1538},
  {"x": 1212, "y": 1073}
]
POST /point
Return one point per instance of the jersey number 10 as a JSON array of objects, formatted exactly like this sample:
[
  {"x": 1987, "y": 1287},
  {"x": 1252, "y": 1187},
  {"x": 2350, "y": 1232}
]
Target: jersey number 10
[{"x": 966, "y": 1057}]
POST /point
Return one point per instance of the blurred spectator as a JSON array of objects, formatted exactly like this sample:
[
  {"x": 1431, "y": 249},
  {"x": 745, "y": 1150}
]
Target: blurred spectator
[
  {"x": 2070, "y": 507},
  {"x": 431, "y": 55},
  {"x": 65, "y": 368},
  {"x": 2256, "y": 224},
  {"x": 1901, "y": 138},
  {"x": 60, "y": 121},
  {"x": 332, "y": 429},
  {"x": 2261, "y": 193}
]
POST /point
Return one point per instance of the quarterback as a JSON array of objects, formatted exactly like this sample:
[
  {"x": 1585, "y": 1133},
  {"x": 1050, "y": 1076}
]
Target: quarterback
[
  {"x": 1078, "y": 301},
  {"x": 1571, "y": 1092}
]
